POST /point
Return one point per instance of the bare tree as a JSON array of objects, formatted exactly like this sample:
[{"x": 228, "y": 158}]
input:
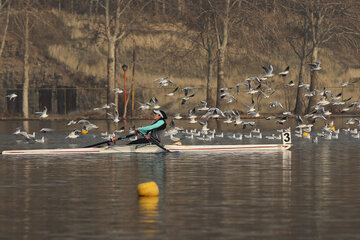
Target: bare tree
[
  {"x": 225, "y": 15},
  {"x": 298, "y": 38},
  {"x": 2, "y": 5},
  {"x": 328, "y": 20},
  {"x": 25, "y": 15},
  {"x": 114, "y": 32}
]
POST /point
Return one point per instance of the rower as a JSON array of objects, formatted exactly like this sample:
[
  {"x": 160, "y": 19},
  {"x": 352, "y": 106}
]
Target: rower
[{"x": 155, "y": 129}]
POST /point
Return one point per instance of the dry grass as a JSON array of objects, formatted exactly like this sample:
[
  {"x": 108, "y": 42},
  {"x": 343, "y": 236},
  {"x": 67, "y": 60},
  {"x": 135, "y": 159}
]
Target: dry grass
[{"x": 165, "y": 52}]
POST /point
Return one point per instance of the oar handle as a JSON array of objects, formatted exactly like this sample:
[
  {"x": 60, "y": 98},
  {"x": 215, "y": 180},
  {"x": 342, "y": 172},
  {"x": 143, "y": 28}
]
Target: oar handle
[
  {"x": 153, "y": 140},
  {"x": 109, "y": 141}
]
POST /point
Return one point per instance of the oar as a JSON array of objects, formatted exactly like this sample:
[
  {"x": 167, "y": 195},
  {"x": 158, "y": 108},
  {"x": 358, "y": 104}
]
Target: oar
[
  {"x": 154, "y": 141},
  {"x": 109, "y": 141}
]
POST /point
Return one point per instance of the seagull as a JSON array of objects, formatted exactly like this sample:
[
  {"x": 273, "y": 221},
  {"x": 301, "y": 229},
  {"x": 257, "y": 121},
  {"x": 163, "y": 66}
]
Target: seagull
[
  {"x": 341, "y": 102},
  {"x": 173, "y": 92},
  {"x": 345, "y": 109},
  {"x": 122, "y": 129},
  {"x": 304, "y": 85},
  {"x": 253, "y": 90},
  {"x": 83, "y": 121},
  {"x": 192, "y": 115},
  {"x": 355, "y": 104},
  {"x": 282, "y": 120},
  {"x": 229, "y": 114},
  {"x": 173, "y": 138},
  {"x": 310, "y": 94},
  {"x": 18, "y": 130},
  {"x": 336, "y": 97},
  {"x": 228, "y": 97},
  {"x": 45, "y": 130},
  {"x": 41, "y": 140},
  {"x": 161, "y": 79},
  {"x": 222, "y": 90},
  {"x": 251, "y": 108},
  {"x": 71, "y": 122},
  {"x": 285, "y": 72},
  {"x": 344, "y": 84},
  {"x": 237, "y": 120},
  {"x": 105, "y": 106},
  {"x": 184, "y": 99},
  {"x": 26, "y": 135},
  {"x": 164, "y": 81},
  {"x": 270, "y": 118},
  {"x": 114, "y": 117},
  {"x": 290, "y": 84},
  {"x": 275, "y": 104},
  {"x": 118, "y": 90},
  {"x": 90, "y": 126},
  {"x": 187, "y": 89},
  {"x": 177, "y": 116},
  {"x": 252, "y": 124},
  {"x": 323, "y": 102},
  {"x": 238, "y": 87},
  {"x": 73, "y": 134},
  {"x": 268, "y": 71},
  {"x": 204, "y": 128},
  {"x": 144, "y": 106},
  {"x": 254, "y": 114},
  {"x": 315, "y": 66},
  {"x": 288, "y": 114},
  {"x": 203, "y": 106},
  {"x": 12, "y": 96},
  {"x": 155, "y": 103},
  {"x": 43, "y": 114}
]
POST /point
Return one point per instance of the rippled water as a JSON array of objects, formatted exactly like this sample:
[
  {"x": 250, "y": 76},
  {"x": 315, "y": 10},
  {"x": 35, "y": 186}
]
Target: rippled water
[{"x": 310, "y": 192}]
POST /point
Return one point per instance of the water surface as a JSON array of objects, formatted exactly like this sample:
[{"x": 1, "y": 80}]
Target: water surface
[{"x": 310, "y": 192}]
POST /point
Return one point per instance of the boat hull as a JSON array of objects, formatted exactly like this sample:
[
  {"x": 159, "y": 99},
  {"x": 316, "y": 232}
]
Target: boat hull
[{"x": 153, "y": 149}]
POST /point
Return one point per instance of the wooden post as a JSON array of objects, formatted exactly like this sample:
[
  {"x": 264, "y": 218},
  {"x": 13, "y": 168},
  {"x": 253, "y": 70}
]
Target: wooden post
[{"x": 133, "y": 84}]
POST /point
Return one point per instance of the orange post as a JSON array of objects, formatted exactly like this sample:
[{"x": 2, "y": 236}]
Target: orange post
[{"x": 124, "y": 67}]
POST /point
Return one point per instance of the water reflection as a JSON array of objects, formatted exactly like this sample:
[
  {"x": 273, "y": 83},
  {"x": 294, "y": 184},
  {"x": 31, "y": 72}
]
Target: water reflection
[{"x": 149, "y": 215}]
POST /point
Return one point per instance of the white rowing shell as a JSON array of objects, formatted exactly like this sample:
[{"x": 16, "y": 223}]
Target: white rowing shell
[{"x": 152, "y": 149}]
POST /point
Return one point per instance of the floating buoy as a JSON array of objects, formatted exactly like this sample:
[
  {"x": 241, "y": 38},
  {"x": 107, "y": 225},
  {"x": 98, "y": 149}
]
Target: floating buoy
[
  {"x": 84, "y": 131},
  {"x": 332, "y": 128},
  {"x": 148, "y": 189},
  {"x": 305, "y": 134}
]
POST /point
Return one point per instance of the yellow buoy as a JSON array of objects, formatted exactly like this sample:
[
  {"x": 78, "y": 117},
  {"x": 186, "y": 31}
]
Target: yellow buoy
[
  {"x": 305, "y": 134},
  {"x": 149, "y": 189},
  {"x": 332, "y": 128},
  {"x": 84, "y": 131}
]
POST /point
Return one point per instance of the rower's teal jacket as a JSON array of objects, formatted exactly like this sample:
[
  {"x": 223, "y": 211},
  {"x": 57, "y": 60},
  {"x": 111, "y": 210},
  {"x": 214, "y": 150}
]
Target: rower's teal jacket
[{"x": 156, "y": 124}]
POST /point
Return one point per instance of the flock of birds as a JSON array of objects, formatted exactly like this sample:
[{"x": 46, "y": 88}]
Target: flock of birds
[{"x": 254, "y": 86}]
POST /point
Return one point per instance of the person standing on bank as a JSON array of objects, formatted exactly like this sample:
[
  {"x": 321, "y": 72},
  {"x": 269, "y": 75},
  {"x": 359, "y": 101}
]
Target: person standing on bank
[{"x": 155, "y": 129}]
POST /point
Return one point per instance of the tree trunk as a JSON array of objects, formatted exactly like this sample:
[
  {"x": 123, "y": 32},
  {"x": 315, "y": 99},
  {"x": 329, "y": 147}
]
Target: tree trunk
[
  {"x": 298, "y": 105},
  {"x": 313, "y": 74},
  {"x": 209, "y": 85},
  {"x": 5, "y": 30},
  {"x": 210, "y": 68},
  {"x": 222, "y": 40},
  {"x": 111, "y": 70},
  {"x": 220, "y": 76},
  {"x": 25, "y": 105},
  {"x": 314, "y": 20}
]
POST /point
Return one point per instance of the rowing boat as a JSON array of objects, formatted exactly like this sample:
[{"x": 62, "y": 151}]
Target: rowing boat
[
  {"x": 157, "y": 148},
  {"x": 150, "y": 148}
]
